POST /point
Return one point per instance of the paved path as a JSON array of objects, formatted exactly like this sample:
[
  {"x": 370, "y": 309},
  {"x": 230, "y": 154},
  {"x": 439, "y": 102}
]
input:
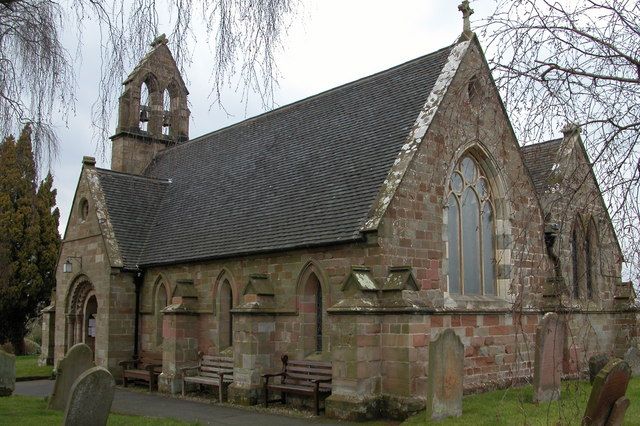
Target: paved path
[{"x": 158, "y": 405}]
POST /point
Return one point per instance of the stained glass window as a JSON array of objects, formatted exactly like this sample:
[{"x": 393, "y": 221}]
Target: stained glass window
[{"x": 470, "y": 230}]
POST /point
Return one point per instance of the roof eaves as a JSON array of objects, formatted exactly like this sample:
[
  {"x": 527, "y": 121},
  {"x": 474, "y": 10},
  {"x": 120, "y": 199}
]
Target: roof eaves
[{"x": 354, "y": 239}]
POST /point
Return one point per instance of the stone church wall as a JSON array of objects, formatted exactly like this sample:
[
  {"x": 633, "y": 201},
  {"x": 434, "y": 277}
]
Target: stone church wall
[{"x": 92, "y": 275}]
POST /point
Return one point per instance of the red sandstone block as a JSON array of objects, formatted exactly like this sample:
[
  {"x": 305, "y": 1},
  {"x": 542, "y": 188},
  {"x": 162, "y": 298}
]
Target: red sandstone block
[
  {"x": 491, "y": 320},
  {"x": 469, "y": 331},
  {"x": 456, "y": 321},
  {"x": 469, "y": 320},
  {"x": 469, "y": 351},
  {"x": 477, "y": 341},
  {"x": 419, "y": 340},
  {"x": 437, "y": 321},
  {"x": 501, "y": 330}
]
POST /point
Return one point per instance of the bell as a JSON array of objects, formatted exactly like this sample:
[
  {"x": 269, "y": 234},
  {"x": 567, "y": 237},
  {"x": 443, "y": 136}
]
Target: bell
[
  {"x": 166, "y": 119},
  {"x": 144, "y": 114}
]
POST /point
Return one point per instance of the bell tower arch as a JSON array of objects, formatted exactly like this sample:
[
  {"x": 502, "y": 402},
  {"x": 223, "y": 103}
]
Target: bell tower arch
[{"x": 153, "y": 112}]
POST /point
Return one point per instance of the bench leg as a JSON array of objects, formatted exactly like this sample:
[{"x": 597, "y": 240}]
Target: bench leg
[
  {"x": 183, "y": 392},
  {"x": 220, "y": 393},
  {"x": 124, "y": 381},
  {"x": 317, "y": 398},
  {"x": 266, "y": 396}
]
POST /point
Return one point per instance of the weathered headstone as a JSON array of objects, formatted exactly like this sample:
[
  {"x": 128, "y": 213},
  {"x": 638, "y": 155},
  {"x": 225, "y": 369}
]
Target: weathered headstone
[
  {"x": 90, "y": 399},
  {"x": 78, "y": 360},
  {"x": 446, "y": 373},
  {"x": 607, "y": 403},
  {"x": 548, "y": 358},
  {"x": 632, "y": 356},
  {"x": 596, "y": 363},
  {"x": 7, "y": 373}
]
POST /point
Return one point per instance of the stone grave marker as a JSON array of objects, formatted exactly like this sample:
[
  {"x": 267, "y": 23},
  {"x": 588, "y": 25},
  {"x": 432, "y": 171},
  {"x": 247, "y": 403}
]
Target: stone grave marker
[
  {"x": 548, "y": 358},
  {"x": 607, "y": 402},
  {"x": 7, "y": 373},
  {"x": 446, "y": 373},
  {"x": 90, "y": 398},
  {"x": 596, "y": 362},
  {"x": 78, "y": 360},
  {"x": 632, "y": 356}
]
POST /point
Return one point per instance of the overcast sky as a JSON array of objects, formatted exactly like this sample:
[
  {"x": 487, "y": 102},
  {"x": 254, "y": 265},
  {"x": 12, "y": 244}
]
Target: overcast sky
[{"x": 330, "y": 43}]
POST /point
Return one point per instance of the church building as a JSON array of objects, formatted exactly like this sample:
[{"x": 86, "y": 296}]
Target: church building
[{"x": 353, "y": 226}]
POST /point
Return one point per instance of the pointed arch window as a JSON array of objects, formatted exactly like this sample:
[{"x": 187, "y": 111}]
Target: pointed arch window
[
  {"x": 225, "y": 319},
  {"x": 145, "y": 109},
  {"x": 576, "y": 261},
  {"x": 584, "y": 241},
  {"x": 312, "y": 311},
  {"x": 470, "y": 230},
  {"x": 166, "y": 112},
  {"x": 160, "y": 301}
]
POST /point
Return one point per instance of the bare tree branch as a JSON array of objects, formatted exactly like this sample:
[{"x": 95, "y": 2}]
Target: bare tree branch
[{"x": 558, "y": 62}]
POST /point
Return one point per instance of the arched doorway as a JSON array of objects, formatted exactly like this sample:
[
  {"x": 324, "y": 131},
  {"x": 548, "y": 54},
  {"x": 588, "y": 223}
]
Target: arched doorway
[
  {"x": 81, "y": 315},
  {"x": 90, "y": 321}
]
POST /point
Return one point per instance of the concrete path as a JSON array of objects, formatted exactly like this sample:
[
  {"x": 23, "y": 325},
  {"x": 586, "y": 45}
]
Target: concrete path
[{"x": 142, "y": 403}]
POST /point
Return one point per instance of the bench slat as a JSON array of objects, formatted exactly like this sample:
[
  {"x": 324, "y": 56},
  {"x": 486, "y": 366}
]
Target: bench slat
[
  {"x": 298, "y": 377},
  {"x": 209, "y": 370}
]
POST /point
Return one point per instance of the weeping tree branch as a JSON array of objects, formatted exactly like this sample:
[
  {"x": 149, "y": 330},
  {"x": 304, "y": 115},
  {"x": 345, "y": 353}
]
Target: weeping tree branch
[{"x": 37, "y": 77}]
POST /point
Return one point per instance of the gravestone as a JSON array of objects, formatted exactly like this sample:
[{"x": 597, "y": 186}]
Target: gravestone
[
  {"x": 548, "y": 358},
  {"x": 7, "y": 373},
  {"x": 632, "y": 356},
  {"x": 78, "y": 360},
  {"x": 90, "y": 398},
  {"x": 607, "y": 403},
  {"x": 596, "y": 363},
  {"x": 446, "y": 373}
]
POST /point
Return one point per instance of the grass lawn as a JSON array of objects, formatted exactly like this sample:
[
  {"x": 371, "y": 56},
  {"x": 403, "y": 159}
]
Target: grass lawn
[
  {"x": 27, "y": 366},
  {"x": 27, "y": 411},
  {"x": 514, "y": 407}
]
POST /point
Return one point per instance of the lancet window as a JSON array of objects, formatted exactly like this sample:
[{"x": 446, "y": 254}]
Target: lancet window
[{"x": 470, "y": 230}]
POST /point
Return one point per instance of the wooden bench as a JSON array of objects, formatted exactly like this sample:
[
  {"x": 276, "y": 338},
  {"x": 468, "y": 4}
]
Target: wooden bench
[
  {"x": 311, "y": 378},
  {"x": 146, "y": 368},
  {"x": 213, "y": 371}
]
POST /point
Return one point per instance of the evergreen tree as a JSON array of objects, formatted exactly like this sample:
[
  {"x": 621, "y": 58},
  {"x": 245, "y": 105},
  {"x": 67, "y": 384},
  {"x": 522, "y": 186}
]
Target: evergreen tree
[{"x": 29, "y": 239}]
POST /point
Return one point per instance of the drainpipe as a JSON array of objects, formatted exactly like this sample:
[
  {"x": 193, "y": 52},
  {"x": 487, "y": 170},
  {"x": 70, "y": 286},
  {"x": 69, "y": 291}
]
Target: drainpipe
[{"x": 137, "y": 281}]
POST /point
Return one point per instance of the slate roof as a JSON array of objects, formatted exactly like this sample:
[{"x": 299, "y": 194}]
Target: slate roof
[
  {"x": 132, "y": 205},
  {"x": 302, "y": 175},
  {"x": 539, "y": 159}
]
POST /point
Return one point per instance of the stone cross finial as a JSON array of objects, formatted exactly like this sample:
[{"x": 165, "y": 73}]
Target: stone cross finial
[
  {"x": 466, "y": 13},
  {"x": 161, "y": 39},
  {"x": 570, "y": 129}
]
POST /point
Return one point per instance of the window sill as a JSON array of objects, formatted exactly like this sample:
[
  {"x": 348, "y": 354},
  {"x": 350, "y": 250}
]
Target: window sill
[{"x": 475, "y": 302}]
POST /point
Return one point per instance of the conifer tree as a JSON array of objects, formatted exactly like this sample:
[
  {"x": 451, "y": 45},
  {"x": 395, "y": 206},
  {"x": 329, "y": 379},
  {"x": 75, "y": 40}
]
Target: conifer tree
[{"x": 29, "y": 239}]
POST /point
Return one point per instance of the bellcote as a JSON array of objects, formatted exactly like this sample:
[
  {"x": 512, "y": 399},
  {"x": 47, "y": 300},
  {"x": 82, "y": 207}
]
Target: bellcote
[{"x": 153, "y": 112}]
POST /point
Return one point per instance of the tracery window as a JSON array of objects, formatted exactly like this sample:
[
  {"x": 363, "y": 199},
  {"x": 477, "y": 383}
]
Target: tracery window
[{"x": 470, "y": 230}]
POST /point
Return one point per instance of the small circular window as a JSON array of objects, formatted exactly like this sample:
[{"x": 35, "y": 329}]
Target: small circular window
[{"x": 84, "y": 209}]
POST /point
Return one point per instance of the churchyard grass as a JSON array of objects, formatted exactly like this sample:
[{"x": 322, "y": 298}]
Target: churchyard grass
[
  {"x": 515, "y": 407},
  {"x": 27, "y": 366},
  {"x": 32, "y": 411}
]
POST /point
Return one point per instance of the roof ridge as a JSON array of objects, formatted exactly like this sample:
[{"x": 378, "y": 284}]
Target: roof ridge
[
  {"x": 115, "y": 172},
  {"x": 536, "y": 144},
  {"x": 304, "y": 100}
]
